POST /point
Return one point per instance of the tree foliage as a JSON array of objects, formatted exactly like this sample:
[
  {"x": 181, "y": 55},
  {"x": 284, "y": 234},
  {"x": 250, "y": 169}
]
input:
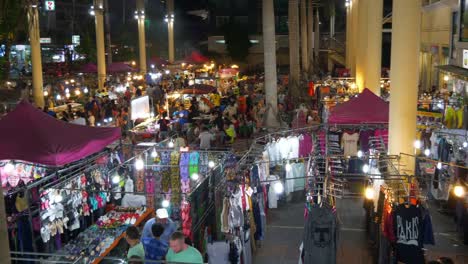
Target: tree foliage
[{"x": 237, "y": 40}]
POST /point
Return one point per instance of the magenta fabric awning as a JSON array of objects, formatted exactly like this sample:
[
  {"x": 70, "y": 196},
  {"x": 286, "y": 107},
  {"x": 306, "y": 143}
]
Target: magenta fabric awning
[
  {"x": 366, "y": 108},
  {"x": 29, "y": 134}
]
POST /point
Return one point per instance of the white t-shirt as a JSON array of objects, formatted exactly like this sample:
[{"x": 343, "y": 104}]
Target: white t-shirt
[
  {"x": 132, "y": 200},
  {"x": 294, "y": 147},
  {"x": 272, "y": 195},
  {"x": 79, "y": 121},
  {"x": 349, "y": 144},
  {"x": 205, "y": 139},
  {"x": 283, "y": 148}
]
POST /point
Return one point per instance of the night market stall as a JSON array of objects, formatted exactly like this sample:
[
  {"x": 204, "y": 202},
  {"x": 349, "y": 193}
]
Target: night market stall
[{"x": 43, "y": 160}]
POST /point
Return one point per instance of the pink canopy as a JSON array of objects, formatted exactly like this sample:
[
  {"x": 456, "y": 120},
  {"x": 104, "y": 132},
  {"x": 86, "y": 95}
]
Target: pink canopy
[
  {"x": 196, "y": 57},
  {"x": 366, "y": 108},
  {"x": 28, "y": 134},
  {"x": 120, "y": 67},
  {"x": 88, "y": 68}
]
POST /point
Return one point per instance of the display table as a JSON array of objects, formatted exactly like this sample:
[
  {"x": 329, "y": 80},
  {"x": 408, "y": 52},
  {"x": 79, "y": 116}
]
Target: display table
[
  {"x": 148, "y": 213},
  {"x": 96, "y": 242}
]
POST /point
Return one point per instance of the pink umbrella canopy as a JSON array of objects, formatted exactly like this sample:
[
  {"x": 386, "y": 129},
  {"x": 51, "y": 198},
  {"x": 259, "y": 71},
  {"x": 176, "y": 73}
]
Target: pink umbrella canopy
[
  {"x": 120, "y": 67},
  {"x": 366, "y": 108},
  {"x": 29, "y": 134},
  {"x": 196, "y": 58},
  {"x": 88, "y": 68}
]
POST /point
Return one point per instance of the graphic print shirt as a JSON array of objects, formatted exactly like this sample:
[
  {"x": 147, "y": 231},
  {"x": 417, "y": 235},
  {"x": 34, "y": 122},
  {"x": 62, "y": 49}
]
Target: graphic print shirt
[{"x": 408, "y": 232}]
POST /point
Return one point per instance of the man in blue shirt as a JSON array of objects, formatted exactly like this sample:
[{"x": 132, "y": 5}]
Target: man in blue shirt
[
  {"x": 155, "y": 248},
  {"x": 162, "y": 217}
]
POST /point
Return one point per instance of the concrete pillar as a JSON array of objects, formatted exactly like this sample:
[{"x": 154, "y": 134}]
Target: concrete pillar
[
  {"x": 141, "y": 35},
  {"x": 310, "y": 35},
  {"x": 101, "y": 56},
  {"x": 269, "y": 46},
  {"x": 361, "y": 49},
  {"x": 36, "y": 59},
  {"x": 355, "y": 35},
  {"x": 404, "y": 76},
  {"x": 349, "y": 36},
  {"x": 304, "y": 41},
  {"x": 294, "y": 57},
  {"x": 317, "y": 35},
  {"x": 170, "y": 28},
  {"x": 374, "y": 45}
]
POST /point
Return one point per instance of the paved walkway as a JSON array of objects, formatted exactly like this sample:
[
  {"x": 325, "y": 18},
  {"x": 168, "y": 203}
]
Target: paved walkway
[{"x": 285, "y": 230}]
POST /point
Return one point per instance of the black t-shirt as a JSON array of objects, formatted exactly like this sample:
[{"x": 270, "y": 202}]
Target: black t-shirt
[
  {"x": 163, "y": 124},
  {"x": 408, "y": 229}
]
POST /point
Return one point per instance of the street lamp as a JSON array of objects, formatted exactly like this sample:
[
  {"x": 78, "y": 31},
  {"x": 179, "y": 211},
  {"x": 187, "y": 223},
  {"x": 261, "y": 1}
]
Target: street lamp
[
  {"x": 169, "y": 18},
  {"x": 140, "y": 14}
]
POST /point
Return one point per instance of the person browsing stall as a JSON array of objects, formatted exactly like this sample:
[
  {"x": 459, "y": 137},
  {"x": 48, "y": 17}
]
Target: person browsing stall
[
  {"x": 132, "y": 236},
  {"x": 162, "y": 217},
  {"x": 155, "y": 248},
  {"x": 180, "y": 252}
]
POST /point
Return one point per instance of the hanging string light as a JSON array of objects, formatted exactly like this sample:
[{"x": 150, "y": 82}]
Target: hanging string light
[
  {"x": 211, "y": 164},
  {"x": 165, "y": 203},
  {"x": 194, "y": 176},
  {"x": 417, "y": 144},
  {"x": 139, "y": 164},
  {"x": 170, "y": 144},
  {"x": 365, "y": 168},
  {"x": 9, "y": 167},
  {"x": 459, "y": 190},
  {"x": 427, "y": 152},
  {"x": 360, "y": 154},
  {"x": 154, "y": 153},
  {"x": 288, "y": 167},
  {"x": 278, "y": 187},
  {"x": 369, "y": 193},
  {"x": 116, "y": 179},
  {"x": 439, "y": 165}
]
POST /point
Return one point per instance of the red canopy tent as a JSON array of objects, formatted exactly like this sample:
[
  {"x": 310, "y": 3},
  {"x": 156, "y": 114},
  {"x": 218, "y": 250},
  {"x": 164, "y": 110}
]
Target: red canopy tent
[
  {"x": 366, "y": 108},
  {"x": 28, "y": 134},
  {"x": 196, "y": 58},
  {"x": 88, "y": 68},
  {"x": 120, "y": 67}
]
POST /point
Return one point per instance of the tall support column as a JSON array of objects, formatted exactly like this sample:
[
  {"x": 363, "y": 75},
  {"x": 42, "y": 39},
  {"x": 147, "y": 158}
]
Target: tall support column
[
  {"x": 304, "y": 41},
  {"x": 349, "y": 36},
  {"x": 404, "y": 76},
  {"x": 374, "y": 45},
  {"x": 36, "y": 59},
  {"x": 355, "y": 35},
  {"x": 310, "y": 35},
  {"x": 141, "y": 34},
  {"x": 101, "y": 56},
  {"x": 269, "y": 46},
  {"x": 170, "y": 28},
  {"x": 294, "y": 58},
  {"x": 361, "y": 50},
  {"x": 317, "y": 36}
]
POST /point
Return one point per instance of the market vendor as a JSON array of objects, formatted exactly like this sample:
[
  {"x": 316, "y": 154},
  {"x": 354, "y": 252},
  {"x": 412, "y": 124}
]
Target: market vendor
[{"x": 162, "y": 217}]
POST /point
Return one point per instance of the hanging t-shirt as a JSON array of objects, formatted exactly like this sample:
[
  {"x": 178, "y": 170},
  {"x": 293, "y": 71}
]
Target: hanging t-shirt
[
  {"x": 294, "y": 147},
  {"x": 408, "y": 232},
  {"x": 434, "y": 146},
  {"x": 349, "y": 143}
]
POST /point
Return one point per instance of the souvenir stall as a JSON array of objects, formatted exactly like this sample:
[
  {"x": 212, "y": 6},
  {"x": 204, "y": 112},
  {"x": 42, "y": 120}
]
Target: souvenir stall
[
  {"x": 163, "y": 177},
  {"x": 38, "y": 159}
]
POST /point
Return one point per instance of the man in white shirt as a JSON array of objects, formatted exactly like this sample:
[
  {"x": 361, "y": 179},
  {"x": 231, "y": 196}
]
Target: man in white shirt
[{"x": 205, "y": 138}]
